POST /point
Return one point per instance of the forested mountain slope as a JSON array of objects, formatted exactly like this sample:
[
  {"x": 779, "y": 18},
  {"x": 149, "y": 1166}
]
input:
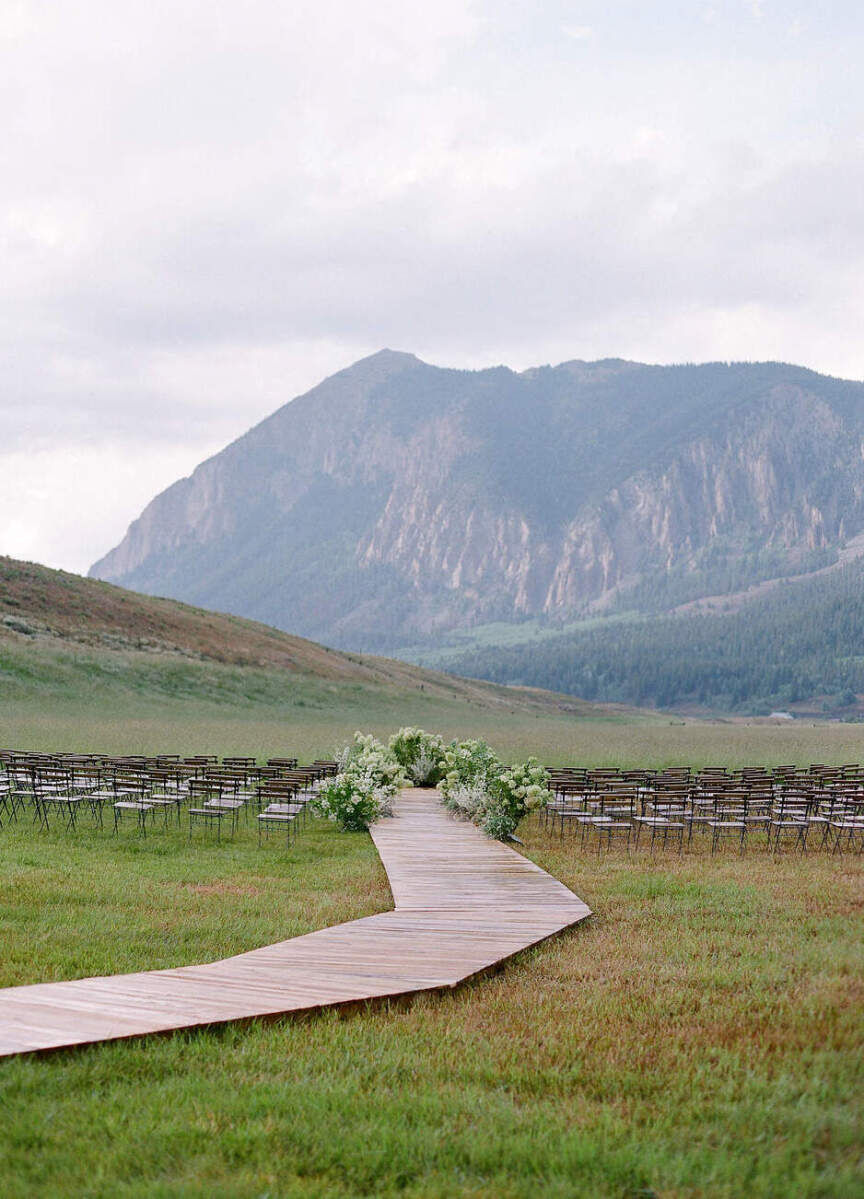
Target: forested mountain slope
[{"x": 799, "y": 645}]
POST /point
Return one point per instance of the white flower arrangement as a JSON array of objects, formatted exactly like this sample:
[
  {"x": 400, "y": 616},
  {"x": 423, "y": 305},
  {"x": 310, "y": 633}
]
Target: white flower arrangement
[
  {"x": 475, "y": 785},
  {"x": 363, "y": 790},
  {"x": 420, "y": 753},
  {"x": 478, "y": 787}
]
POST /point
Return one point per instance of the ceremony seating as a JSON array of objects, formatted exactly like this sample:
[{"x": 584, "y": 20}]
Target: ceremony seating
[
  {"x": 786, "y": 808},
  {"x": 64, "y": 787}
]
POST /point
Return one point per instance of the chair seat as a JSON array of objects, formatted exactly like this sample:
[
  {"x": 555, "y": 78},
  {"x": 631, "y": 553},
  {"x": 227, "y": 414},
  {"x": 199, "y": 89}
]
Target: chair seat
[{"x": 132, "y": 805}]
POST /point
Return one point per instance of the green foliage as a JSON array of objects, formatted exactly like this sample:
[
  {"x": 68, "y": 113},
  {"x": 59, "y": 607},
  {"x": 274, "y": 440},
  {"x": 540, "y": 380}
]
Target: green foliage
[
  {"x": 797, "y": 642},
  {"x": 514, "y": 792},
  {"x": 466, "y": 763},
  {"x": 474, "y": 782},
  {"x": 724, "y": 567},
  {"x": 363, "y": 790},
  {"x": 352, "y": 801},
  {"x": 478, "y": 787},
  {"x": 421, "y": 754}
]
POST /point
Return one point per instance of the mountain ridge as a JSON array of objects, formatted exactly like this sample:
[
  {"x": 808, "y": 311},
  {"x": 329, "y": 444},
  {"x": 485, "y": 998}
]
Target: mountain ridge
[{"x": 398, "y": 499}]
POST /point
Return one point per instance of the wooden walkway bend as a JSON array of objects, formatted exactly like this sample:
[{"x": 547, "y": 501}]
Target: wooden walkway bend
[{"x": 462, "y": 904}]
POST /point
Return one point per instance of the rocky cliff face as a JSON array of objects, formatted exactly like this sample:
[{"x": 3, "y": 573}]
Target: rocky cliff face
[{"x": 398, "y": 499}]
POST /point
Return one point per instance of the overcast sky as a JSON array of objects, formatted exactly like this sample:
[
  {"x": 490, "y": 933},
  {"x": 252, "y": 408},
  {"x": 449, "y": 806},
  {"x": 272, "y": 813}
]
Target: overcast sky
[{"x": 208, "y": 207}]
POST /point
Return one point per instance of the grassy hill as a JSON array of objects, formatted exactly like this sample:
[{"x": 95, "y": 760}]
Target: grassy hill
[
  {"x": 85, "y": 664},
  {"x": 88, "y": 665}
]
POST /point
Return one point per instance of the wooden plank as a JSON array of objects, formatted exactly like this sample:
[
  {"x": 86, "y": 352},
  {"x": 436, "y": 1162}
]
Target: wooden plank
[{"x": 462, "y": 903}]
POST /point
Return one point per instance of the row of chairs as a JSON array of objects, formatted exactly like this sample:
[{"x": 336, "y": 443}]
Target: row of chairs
[
  {"x": 821, "y": 807},
  {"x": 62, "y": 786}
]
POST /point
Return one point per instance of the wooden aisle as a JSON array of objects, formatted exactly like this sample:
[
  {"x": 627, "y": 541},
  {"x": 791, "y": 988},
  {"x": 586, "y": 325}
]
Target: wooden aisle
[{"x": 462, "y": 904}]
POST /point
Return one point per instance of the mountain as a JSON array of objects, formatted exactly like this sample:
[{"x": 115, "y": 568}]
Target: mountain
[{"x": 397, "y": 501}]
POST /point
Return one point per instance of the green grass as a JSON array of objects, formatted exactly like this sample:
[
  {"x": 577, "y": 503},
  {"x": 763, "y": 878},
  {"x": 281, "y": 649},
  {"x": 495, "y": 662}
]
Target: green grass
[
  {"x": 91, "y": 699},
  {"x": 128, "y": 702},
  {"x": 699, "y": 1036},
  {"x": 94, "y": 903},
  {"x": 320, "y": 718}
]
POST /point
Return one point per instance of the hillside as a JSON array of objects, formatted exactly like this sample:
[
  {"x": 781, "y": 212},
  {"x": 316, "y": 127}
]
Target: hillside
[
  {"x": 85, "y": 665},
  {"x": 72, "y": 647},
  {"x": 398, "y": 501}
]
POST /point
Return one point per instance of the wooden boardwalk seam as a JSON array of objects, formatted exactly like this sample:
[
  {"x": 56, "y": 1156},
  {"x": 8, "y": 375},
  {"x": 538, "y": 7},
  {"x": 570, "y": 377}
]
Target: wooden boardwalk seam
[{"x": 463, "y": 903}]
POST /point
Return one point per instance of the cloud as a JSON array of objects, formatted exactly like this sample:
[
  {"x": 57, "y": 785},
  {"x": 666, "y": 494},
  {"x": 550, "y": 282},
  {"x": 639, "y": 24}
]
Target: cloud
[
  {"x": 206, "y": 210},
  {"x": 61, "y": 504},
  {"x": 579, "y": 33}
]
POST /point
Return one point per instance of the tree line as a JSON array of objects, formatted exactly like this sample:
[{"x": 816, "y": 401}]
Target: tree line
[{"x": 800, "y": 641}]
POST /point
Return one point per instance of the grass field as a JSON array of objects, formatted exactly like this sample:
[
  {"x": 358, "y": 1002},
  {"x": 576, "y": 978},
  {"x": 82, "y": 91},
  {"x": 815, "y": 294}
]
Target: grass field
[
  {"x": 699, "y": 1036},
  {"x": 56, "y": 697},
  {"x": 104, "y": 669},
  {"x": 318, "y": 718},
  {"x": 94, "y": 903}
]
